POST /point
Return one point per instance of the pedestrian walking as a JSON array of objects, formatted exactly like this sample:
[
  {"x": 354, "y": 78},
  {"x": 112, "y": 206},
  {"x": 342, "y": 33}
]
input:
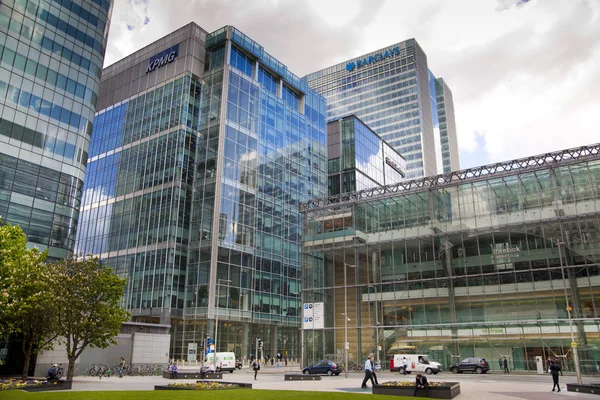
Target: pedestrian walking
[
  {"x": 500, "y": 362},
  {"x": 373, "y": 371},
  {"x": 121, "y": 366},
  {"x": 368, "y": 373},
  {"x": 548, "y": 362},
  {"x": 554, "y": 370},
  {"x": 506, "y": 370},
  {"x": 405, "y": 364},
  {"x": 255, "y": 367}
]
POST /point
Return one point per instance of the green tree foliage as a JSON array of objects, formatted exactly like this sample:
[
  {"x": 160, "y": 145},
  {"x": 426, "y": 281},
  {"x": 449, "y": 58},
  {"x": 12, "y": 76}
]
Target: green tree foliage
[
  {"x": 89, "y": 313},
  {"x": 27, "y": 300}
]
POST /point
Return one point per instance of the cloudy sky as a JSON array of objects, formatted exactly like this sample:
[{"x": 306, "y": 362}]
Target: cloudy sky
[{"x": 525, "y": 74}]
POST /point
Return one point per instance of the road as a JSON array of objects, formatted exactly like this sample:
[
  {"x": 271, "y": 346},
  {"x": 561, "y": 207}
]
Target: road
[{"x": 491, "y": 386}]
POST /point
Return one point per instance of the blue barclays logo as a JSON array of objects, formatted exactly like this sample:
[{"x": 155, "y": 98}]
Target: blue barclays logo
[
  {"x": 162, "y": 58},
  {"x": 373, "y": 58}
]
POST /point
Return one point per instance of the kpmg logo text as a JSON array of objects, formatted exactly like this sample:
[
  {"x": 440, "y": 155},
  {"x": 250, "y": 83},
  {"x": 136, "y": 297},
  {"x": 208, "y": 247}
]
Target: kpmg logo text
[
  {"x": 373, "y": 58},
  {"x": 162, "y": 58}
]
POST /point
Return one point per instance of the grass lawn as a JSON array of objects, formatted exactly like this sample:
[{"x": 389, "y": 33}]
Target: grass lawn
[{"x": 247, "y": 394}]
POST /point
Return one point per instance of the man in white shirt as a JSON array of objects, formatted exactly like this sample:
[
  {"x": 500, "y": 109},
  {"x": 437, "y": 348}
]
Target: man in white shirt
[
  {"x": 368, "y": 373},
  {"x": 405, "y": 364}
]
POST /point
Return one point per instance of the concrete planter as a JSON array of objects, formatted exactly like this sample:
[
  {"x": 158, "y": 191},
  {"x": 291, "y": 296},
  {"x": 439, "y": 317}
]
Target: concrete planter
[
  {"x": 301, "y": 377},
  {"x": 448, "y": 391},
  {"x": 240, "y": 386},
  {"x": 591, "y": 389},
  {"x": 60, "y": 385},
  {"x": 193, "y": 375}
]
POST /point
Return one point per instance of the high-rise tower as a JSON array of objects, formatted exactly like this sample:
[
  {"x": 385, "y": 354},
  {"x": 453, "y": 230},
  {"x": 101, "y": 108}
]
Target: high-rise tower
[
  {"x": 393, "y": 91},
  {"x": 51, "y": 56}
]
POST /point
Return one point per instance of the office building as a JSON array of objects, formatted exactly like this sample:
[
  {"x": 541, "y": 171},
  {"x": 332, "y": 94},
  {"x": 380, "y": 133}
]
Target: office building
[
  {"x": 393, "y": 91},
  {"x": 51, "y": 56},
  {"x": 203, "y": 147},
  {"x": 358, "y": 158},
  {"x": 486, "y": 262}
]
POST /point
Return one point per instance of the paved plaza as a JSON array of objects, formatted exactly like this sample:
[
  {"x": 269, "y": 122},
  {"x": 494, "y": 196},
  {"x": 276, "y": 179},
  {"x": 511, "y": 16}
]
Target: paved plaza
[{"x": 491, "y": 386}]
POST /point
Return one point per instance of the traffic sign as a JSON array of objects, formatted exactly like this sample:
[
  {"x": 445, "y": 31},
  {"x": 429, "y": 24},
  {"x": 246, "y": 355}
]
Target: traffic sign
[
  {"x": 347, "y": 345},
  {"x": 573, "y": 344}
]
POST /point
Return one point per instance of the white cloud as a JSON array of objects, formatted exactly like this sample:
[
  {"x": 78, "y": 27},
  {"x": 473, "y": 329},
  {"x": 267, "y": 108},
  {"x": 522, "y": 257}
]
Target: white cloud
[{"x": 523, "y": 73}]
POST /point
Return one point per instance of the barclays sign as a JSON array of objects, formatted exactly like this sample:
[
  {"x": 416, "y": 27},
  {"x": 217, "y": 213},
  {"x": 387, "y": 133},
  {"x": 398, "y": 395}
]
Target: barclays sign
[
  {"x": 373, "y": 58},
  {"x": 162, "y": 58}
]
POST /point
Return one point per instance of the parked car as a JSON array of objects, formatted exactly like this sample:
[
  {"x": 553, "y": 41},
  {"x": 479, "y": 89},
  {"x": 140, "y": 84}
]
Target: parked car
[
  {"x": 476, "y": 365},
  {"x": 323, "y": 367}
]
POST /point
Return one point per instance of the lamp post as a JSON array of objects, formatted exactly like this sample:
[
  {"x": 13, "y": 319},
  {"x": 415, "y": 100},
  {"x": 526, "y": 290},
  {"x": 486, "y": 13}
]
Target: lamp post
[
  {"x": 346, "y": 319},
  {"x": 560, "y": 244},
  {"x": 301, "y": 334},
  {"x": 217, "y": 317},
  {"x": 376, "y": 324}
]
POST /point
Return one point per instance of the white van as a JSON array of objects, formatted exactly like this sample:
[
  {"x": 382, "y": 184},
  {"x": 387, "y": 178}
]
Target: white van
[
  {"x": 415, "y": 362},
  {"x": 224, "y": 361}
]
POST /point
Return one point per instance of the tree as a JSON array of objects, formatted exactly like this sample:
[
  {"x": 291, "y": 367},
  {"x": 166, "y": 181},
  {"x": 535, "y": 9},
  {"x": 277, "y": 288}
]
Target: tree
[
  {"x": 27, "y": 303},
  {"x": 90, "y": 313}
]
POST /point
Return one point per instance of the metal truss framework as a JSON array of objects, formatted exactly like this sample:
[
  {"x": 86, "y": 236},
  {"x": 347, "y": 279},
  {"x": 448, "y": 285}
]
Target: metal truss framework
[{"x": 532, "y": 163}]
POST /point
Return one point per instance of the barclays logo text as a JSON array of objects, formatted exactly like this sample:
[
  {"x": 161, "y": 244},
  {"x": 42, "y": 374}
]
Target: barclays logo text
[{"x": 373, "y": 58}]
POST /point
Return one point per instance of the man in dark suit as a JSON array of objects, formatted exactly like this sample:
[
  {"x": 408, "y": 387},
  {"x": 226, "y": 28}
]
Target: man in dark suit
[{"x": 421, "y": 383}]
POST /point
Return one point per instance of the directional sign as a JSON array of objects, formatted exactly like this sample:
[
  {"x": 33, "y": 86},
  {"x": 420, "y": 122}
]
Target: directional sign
[
  {"x": 319, "y": 316},
  {"x": 313, "y": 316}
]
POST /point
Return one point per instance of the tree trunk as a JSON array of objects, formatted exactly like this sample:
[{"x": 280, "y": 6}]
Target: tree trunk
[
  {"x": 27, "y": 350},
  {"x": 71, "y": 368}
]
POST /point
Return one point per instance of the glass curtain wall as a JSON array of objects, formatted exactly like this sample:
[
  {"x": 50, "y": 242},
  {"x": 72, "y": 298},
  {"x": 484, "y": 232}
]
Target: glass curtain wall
[
  {"x": 137, "y": 194},
  {"x": 51, "y": 55},
  {"x": 475, "y": 269},
  {"x": 261, "y": 151}
]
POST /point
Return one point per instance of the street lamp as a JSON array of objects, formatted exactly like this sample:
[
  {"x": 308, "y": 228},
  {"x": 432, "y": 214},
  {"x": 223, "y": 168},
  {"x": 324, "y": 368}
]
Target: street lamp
[
  {"x": 346, "y": 319},
  {"x": 560, "y": 244},
  {"x": 376, "y": 324},
  {"x": 217, "y": 317}
]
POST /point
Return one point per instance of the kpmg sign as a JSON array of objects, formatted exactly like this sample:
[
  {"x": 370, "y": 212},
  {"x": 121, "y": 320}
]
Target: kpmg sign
[
  {"x": 373, "y": 58},
  {"x": 162, "y": 58}
]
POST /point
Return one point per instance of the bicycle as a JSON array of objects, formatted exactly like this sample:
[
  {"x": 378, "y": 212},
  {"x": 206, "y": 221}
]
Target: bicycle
[
  {"x": 131, "y": 370},
  {"x": 60, "y": 371},
  {"x": 93, "y": 371}
]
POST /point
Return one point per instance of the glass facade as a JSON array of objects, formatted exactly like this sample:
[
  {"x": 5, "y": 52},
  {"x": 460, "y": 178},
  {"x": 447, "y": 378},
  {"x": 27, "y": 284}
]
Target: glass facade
[
  {"x": 479, "y": 266},
  {"x": 394, "y": 93},
  {"x": 51, "y": 54},
  {"x": 193, "y": 188},
  {"x": 261, "y": 151},
  {"x": 359, "y": 159}
]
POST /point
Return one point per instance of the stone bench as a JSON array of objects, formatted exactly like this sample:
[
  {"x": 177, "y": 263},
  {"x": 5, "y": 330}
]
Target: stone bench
[
  {"x": 193, "y": 375},
  {"x": 300, "y": 377}
]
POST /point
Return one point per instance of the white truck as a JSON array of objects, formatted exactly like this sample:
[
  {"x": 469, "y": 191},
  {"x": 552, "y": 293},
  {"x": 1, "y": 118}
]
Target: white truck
[
  {"x": 414, "y": 362},
  {"x": 223, "y": 361}
]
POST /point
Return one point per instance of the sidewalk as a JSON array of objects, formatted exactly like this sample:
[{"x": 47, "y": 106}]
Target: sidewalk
[{"x": 473, "y": 386}]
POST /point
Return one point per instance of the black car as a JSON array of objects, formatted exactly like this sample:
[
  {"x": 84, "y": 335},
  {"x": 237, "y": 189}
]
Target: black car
[
  {"x": 476, "y": 365},
  {"x": 323, "y": 367}
]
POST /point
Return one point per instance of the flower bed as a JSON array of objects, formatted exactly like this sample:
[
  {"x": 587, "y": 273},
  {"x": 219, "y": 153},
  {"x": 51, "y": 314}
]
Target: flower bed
[
  {"x": 201, "y": 385},
  {"x": 33, "y": 385},
  {"x": 437, "y": 390},
  {"x": 412, "y": 384}
]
